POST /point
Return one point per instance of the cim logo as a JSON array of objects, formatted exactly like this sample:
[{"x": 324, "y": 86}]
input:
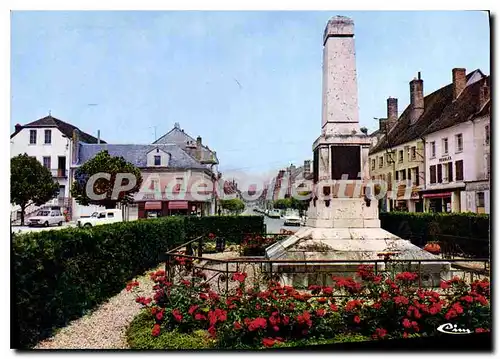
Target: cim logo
[{"x": 449, "y": 328}]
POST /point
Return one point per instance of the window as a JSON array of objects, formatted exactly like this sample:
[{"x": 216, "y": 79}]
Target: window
[
  {"x": 373, "y": 164},
  {"x": 487, "y": 134},
  {"x": 488, "y": 165},
  {"x": 157, "y": 160},
  {"x": 46, "y": 162},
  {"x": 381, "y": 162},
  {"x": 459, "y": 170},
  {"x": 397, "y": 175},
  {"x": 48, "y": 137},
  {"x": 432, "y": 172},
  {"x": 403, "y": 175},
  {"x": 439, "y": 173},
  {"x": 409, "y": 173},
  {"x": 413, "y": 153},
  {"x": 400, "y": 159},
  {"x": 445, "y": 146},
  {"x": 448, "y": 172},
  {"x": 32, "y": 137},
  {"x": 101, "y": 215},
  {"x": 480, "y": 199},
  {"x": 433, "y": 149},
  {"x": 111, "y": 215},
  {"x": 417, "y": 177},
  {"x": 459, "y": 143}
]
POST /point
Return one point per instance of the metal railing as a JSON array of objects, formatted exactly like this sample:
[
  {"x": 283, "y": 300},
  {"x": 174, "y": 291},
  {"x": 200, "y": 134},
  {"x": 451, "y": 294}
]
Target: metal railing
[
  {"x": 59, "y": 172},
  {"x": 222, "y": 269}
]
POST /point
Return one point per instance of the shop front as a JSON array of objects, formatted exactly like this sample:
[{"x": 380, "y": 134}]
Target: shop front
[
  {"x": 438, "y": 202},
  {"x": 155, "y": 209}
]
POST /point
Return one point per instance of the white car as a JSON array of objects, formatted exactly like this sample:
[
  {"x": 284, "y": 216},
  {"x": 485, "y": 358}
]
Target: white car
[
  {"x": 274, "y": 213},
  {"x": 47, "y": 217},
  {"x": 292, "y": 219},
  {"x": 102, "y": 217}
]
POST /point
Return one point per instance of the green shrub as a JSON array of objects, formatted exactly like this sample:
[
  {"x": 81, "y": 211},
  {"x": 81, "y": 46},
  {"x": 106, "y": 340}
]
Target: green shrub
[
  {"x": 470, "y": 230},
  {"x": 59, "y": 275},
  {"x": 232, "y": 228},
  {"x": 139, "y": 336}
]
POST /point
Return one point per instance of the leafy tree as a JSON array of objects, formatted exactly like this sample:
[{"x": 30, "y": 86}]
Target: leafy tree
[
  {"x": 30, "y": 183},
  {"x": 234, "y": 205},
  {"x": 103, "y": 162}
]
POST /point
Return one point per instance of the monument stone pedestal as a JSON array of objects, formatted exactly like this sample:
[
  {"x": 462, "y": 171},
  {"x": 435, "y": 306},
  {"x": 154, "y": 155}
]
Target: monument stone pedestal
[{"x": 343, "y": 221}]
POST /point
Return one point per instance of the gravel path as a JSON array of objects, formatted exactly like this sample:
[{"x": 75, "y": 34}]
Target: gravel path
[{"x": 105, "y": 327}]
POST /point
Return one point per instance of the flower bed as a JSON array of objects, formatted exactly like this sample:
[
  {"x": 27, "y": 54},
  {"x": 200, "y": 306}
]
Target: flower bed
[{"x": 372, "y": 306}]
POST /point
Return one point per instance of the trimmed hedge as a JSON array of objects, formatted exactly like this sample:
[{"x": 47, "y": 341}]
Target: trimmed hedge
[
  {"x": 470, "y": 230},
  {"x": 59, "y": 275},
  {"x": 231, "y": 228}
]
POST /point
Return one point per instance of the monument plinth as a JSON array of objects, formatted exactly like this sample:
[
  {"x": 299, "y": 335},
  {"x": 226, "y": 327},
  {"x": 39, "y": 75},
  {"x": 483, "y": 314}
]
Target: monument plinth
[{"x": 343, "y": 221}]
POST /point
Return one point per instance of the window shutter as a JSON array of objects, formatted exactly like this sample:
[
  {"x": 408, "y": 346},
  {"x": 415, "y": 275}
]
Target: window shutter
[
  {"x": 450, "y": 172},
  {"x": 439, "y": 173}
]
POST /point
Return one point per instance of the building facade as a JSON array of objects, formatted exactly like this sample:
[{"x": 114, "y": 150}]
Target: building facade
[
  {"x": 400, "y": 156},
  {"x": 50, "y": 141}
]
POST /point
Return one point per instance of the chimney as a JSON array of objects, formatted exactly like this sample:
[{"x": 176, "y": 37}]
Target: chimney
[
  {"x": 484, "y": 95},
  {"x": 98, "y": 137},
  {"x": 75, "y": 146},
  {"x": 198, "y": 149},
  {"x": 392, "y": 108},
  {"x": 307, "y": 168},
  {"x": 459, "y": 82},
  {"x": 18, "y": 127},
  {"x": 416, "y": 99}
]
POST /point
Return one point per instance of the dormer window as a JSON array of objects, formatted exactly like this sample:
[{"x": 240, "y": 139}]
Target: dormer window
[{"x": 157, "y": 160}]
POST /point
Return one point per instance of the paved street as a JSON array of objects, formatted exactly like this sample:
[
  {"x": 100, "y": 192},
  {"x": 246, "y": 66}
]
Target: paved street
[{"x": 274, "y": 225}]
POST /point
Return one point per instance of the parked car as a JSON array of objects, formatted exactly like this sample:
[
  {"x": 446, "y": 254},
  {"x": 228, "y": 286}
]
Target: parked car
[
  {"x": 102, "y": 217},
  {"x": 47, "y": 217},
  {"x": 292, "y": 219},
  {"x": 274, "y": 213}
]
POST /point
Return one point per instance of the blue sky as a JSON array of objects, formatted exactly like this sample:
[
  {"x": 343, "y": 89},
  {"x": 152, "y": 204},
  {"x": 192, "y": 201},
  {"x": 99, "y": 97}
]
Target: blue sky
[{"x": 248, "y": 82}]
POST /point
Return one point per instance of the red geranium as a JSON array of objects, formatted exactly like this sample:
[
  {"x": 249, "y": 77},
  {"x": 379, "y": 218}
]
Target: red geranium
[
  {"x": 240, "y": 277},
  {"x": 320, "y": 312},
  {"x": 379, "y": 333},
  {"x": 156, "y": 330},
  {"x": 269, "y": 342},
  {"x": 357, "y": 319},
  {"x": 177, "y": 315}
]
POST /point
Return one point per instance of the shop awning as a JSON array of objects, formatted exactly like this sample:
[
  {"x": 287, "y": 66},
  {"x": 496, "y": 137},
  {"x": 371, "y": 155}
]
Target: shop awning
[
  {"x": 437, "y": 195},
  {"x": 152, "y": 205},
  {"x": 178, "y": 205}
]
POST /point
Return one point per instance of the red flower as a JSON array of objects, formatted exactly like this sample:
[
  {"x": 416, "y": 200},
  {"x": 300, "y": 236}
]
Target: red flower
[
  {"x": 333, "y": 307},
  {"x": 406, "y": 276},
  {"x": 203, "y": 296},
  {"x": 154, "y": 310},
  {"x": 257, "y": 323},
  {"x": 322, "y": 300},
  {"x": 159, "y": 315},
  {"x": 457, "y": 308},
  {"x": 380, "y": 333},
  {"x": 237, "y": 325},
  {"x": 320, "y": 312},
  {"x": 199, "y": 316},
  {"x": 269, "y": 342},
  {"x": 185, "y": 282},
  {"x": 305, "y": 318},
  {"x": 177, "y": 315},
  {"x": 276, "y": 328},
  {"x": 467, "y": 299},
  {"x": 327, "y": 290},
  {"x": 211, "y": 331},
  {"x": 482, "y": 330},
  {"x": 315, "y": 289},
  {"x": 240, "y": 277},
  {"x": 286, "y": 320},
  {"x": 434, "y": 309},
  {"x": 400, "y": 300},
  {"x": 406, "y": 323},
  {"x": 376, "y": 305},
  {"x": 211, "y": 235},
  {"x": 357, "y": 319},
  {"x": 405, "y": 335},
  {"x": 192, "y": 309},
  {"x": 156, "y": 330},
  {"x": 352, "y": 304},
  {"x": 444, "y": 285},
  {"x": 450, "y": 314}
]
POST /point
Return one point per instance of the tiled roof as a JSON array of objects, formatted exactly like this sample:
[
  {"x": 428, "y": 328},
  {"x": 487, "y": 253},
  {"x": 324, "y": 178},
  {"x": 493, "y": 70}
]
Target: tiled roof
[
  {"x": 463, "y": 109},
  {"x": 180, "y": 138},
  {"x": 137, "y": 154},
  {"x": 436, "y": 106},
  {"x": 64, "y": 127}
]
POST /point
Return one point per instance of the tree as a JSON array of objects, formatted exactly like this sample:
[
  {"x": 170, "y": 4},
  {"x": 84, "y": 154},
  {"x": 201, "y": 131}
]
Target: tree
[
  {"x": 30, "y": 183},
  {"x": 234, "y": 205},
  {"x": 103, "y": 162}
]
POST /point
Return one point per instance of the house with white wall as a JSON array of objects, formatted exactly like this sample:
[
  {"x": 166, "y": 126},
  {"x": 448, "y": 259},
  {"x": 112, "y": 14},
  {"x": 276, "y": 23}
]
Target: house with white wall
[
  {"x": 400, "y": 155},
  {"x": 458, "y": 151},
  {"x": 49, "y": 140}
]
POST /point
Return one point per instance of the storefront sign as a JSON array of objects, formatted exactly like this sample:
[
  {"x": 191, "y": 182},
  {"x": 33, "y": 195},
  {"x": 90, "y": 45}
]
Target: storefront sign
[{"x": 445, "y": 159}]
